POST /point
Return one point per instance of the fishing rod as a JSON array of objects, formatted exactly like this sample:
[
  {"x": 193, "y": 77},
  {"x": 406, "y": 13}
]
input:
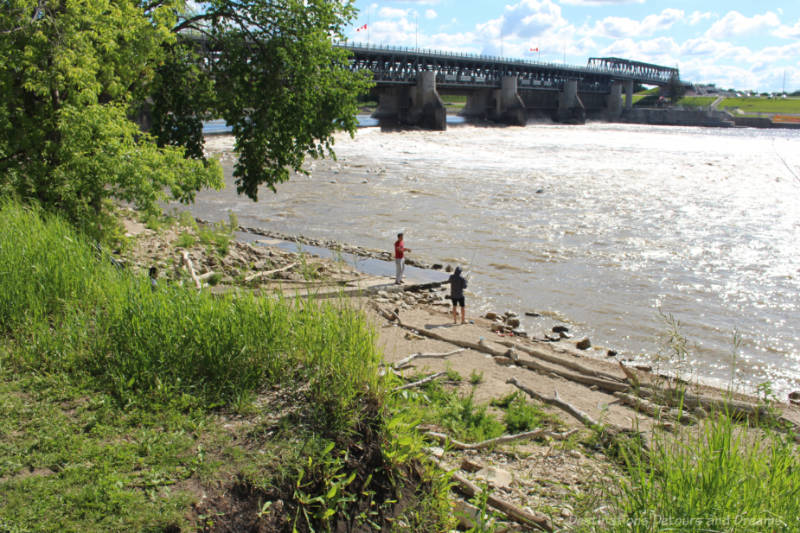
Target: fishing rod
[{"x": 792, "y": 172}]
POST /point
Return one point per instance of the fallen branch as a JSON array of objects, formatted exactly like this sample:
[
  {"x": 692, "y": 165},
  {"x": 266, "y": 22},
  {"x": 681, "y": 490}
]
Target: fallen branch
[
  {"x": 458, "y": 445},
  {"x": 513, "y": 512},
  {"x": 585, "y": 419},
  {"x": 603, "y": 384},
  {"x": 655, "y": 410},
  {"x": 187, "y": 262},
  {"x": 403, "y": 362},
  {"x": 572, "y": 365},
  {"x": 268, "y": 272},
  {"x": 420, "y": 382}
]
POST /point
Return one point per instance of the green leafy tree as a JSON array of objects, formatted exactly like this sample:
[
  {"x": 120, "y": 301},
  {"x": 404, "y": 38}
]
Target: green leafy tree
[
  {"x": 69, "y": 73},
  {"x": 73, "y": 73},
  {"x": 269, "y": 69}
]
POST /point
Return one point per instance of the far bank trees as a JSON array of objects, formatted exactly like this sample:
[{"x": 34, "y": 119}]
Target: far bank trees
[{"x": 73, "y": 73}]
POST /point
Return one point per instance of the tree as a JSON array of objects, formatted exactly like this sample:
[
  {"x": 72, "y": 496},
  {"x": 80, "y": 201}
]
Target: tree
[
  {"x": 269, "y": 69},
  {"x": 73, "y": 73}
]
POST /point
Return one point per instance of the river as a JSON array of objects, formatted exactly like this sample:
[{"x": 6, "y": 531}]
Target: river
[{"x": 604, "y": 227}]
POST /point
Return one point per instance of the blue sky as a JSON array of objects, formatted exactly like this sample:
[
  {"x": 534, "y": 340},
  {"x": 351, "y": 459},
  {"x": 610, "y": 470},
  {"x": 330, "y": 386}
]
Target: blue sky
[{"x": 739, "y": 44}]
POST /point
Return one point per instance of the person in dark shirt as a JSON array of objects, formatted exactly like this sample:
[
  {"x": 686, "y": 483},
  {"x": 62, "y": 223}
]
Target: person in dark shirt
[{"x": 457, "y": 286}]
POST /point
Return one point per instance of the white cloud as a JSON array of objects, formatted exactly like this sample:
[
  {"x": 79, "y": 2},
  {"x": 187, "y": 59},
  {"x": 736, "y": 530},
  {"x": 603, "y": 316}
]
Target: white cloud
[
  {"x": 393, "y": 13},
  {"x": 528, "y": 18},
  {"x": 734, "y": 24},
  {"x": 697, "y": 17},
  {"x": 620, "y": 27},
  {"x": 430, "y": 14},
  {"x": 788, "y": 32},
  {"x": 600, "y": 2}
]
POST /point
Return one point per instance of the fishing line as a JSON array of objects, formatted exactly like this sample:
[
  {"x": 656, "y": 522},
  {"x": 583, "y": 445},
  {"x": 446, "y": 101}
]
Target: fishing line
[{"x": 793, "y": 173}]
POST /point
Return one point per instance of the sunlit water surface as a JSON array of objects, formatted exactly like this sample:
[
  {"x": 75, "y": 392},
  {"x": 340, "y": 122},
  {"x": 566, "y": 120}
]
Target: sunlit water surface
[{"x": 600, "y": 226}]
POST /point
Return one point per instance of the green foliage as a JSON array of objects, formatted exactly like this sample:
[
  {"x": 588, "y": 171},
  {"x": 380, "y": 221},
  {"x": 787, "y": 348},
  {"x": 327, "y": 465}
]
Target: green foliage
[
  {"x": 115, "y": 400},
  {"x": 217, "y": 236},
  {"x": 762, "y": 105},
  {"x": 272, "y": 73},
  {"x": 522, "y": 416},
  {"x": 696, "y": 101},
  {"x": 716, "y": 478},
  {"x": 69, "y": 74},
  {"x": 476, "y": 377},
  {"x": 185, "y": 240},
  {"x": 73, "y": 75}
]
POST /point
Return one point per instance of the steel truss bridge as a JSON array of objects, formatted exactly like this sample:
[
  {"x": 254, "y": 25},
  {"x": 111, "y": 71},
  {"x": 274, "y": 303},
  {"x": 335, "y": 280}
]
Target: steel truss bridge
[{"x": 400, "y": 66}]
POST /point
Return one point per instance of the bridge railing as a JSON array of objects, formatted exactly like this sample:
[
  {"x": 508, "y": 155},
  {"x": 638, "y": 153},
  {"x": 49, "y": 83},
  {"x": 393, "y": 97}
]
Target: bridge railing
[{"x": 584, "y": 69}]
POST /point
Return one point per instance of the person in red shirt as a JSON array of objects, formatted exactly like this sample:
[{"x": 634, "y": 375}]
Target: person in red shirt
[{"x": 399, "y": 258}]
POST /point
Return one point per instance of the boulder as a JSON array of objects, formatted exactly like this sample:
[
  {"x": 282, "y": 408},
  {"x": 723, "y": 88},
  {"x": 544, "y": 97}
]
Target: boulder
[
  {"x": 583, "y": 344},
  {"x": 513, "y": 322},
  {"x": 490, "y": 315},
  {"x": 560, "y": 329}
]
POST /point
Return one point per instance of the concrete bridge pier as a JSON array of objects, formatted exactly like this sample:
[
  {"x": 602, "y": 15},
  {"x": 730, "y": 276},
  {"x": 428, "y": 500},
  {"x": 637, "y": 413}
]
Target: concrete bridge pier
[
  {"x": 509, "y": 107},
  {"x": 427, "y": 108},
  {"x": 614, "y": 101},
  {"x": 419, "y": 105},
  {"x": 570, "y": 108},
  {"x": 628, "y": 95}
]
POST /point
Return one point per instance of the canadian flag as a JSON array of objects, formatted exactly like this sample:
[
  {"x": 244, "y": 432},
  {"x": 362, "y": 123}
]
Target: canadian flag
[
  {"x": 535, "y": 49},
  {"x": 360, "y": 28}
]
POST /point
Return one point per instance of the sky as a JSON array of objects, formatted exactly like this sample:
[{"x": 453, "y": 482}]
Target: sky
[{"x": 738, "y": 44}]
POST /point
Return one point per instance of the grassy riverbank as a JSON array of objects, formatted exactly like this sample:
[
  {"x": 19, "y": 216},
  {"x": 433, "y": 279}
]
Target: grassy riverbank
[{"x": 128, "y": 409}]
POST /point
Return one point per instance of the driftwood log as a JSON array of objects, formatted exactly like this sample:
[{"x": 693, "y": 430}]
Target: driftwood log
[
  {"x": 655, "y": 410},
  {"x": 405, "y": 361},
  {"x": 602, "y": 384},
  {"x": 420, "y": 382},
  {"x": 187, "y": 262},
  {"x": 561, "y": 361},
  {"x": 266, "y": 273},
  {"x": 458, "y": 445},
  {"x": 519, "y": 515}
]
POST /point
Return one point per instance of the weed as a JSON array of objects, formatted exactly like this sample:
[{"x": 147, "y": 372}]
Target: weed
[
  {"x": 476, "y": 377},
  {"x": 185, "y": 240},
  {"x": 522, "y": 416}
]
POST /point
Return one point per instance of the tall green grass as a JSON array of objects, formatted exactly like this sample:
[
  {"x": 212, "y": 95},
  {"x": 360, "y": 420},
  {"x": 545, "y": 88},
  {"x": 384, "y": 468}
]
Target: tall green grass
[
  {"x": 718, "y": 477},
  {"x": 69, "y": 309}
]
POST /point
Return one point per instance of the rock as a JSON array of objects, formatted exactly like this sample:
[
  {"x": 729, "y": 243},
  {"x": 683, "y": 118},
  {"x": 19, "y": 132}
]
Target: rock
[
  {"x": 520, "y": 333},
  {"x": 448, "y": 268},
  {"x": 643, "y": 368},
  {"x": 513, "y": 322},
  {"x": 468, "y": 465},
  {"x": 611, "y": 353},
  {"x": 552, "y": 338},
  {"x": 437, "y": 266},
  {"x": 583, "y": 344},
  {"x": 560, "y": 329},
  {"x": 794, "y": 397},
  {"x": 498, "y": 328},
  {"x": 503, "y": 361},
  {"x": 495, "y": 476},
  {"x": 436, "y": 451},
  {"x": 490, "y": 315},
  {"x": 510, "y": 314},
  {"x": 532, "y": 313}
]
